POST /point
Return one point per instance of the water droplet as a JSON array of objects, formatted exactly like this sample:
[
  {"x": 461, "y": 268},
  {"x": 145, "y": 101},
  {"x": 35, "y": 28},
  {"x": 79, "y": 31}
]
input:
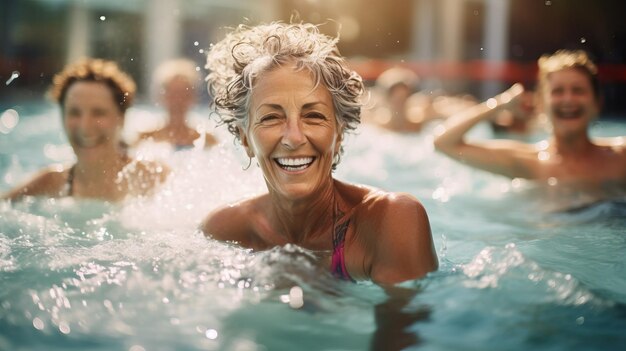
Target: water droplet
[
  {"x": 102, "y": 18},
  {"x": 38, "y": 324},
  {"x": 64, "y": 328},
  {"x": 14, "y": 75},
  {"x": 481, "y": 49},
  {"x": 197, "y": 68},
  {"x": 296, "y": 297},
  {"x": 9, "y": 119},
  {"x": 548, "y": 2},
  {"x": 552, "y": 181},
  {"x": 211, "y": 334},
  {"x": 583, "y": 40},
  {"x": 580, "y": 320},
  {"x": 195, "y": 43},
  {"x": 201, "y": 51}
]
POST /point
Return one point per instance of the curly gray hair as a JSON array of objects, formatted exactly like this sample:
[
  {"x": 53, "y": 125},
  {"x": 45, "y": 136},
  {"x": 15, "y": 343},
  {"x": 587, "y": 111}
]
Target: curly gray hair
[{"x": 235, "y": 62}]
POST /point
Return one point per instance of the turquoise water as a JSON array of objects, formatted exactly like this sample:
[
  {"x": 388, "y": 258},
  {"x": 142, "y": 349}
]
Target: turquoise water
[{"x": 138, "y": 276}]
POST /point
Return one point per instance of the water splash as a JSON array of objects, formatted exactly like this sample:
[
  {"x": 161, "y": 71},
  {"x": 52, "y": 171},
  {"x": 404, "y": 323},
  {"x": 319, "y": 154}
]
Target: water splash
[{"x": 505, "y": 268}]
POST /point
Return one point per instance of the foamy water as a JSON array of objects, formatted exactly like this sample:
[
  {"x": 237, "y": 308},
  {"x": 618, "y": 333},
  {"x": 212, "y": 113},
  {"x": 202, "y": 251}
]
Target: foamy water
[{"x": 139, "y": 276}]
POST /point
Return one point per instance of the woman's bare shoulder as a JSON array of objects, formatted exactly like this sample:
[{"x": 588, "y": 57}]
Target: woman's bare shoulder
[
  {"x": 48, "y": 181},
  {"x": 381, "y": 209},
  {"x": 396, "y": 228},
  {"x": 615, "y": 143},
  {"x": 232, "y": 222},
  {"x": 390, "y": 204},
  {"x": 155, "y": 135}
]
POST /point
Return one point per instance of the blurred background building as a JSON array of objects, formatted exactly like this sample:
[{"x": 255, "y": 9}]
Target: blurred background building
[{"x": 474, "y": 46}]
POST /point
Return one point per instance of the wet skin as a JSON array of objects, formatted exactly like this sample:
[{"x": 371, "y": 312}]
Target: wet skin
[{"x": 292, "y": 133}]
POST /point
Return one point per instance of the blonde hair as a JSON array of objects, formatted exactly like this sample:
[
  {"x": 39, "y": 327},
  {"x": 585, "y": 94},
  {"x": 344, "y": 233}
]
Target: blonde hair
[
  {"x": 171, "y": 69},
  {"x": 122, "y": 86},
  {"x": 396, "y": 76},
  {"x": 563, "y": 59},
  {"x": 236, "y": 62}
]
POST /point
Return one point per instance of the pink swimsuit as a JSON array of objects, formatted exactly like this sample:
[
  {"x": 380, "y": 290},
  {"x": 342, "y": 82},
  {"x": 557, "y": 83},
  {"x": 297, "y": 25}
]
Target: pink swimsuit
[{"x": 338, "y": 263}]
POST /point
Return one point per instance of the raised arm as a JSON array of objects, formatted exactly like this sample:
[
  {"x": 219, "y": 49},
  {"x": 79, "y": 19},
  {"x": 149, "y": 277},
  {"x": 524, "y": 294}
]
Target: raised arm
[{"x": 497, "y": 156}]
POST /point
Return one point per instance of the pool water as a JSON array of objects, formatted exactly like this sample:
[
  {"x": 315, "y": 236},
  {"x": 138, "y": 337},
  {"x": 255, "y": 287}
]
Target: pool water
[{"x": 87, "y": 275}]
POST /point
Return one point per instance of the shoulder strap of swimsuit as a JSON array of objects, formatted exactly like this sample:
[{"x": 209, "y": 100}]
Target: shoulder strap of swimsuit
[
  {"x": 70, "y": 181},
  {"x": 338, "y": 263}
]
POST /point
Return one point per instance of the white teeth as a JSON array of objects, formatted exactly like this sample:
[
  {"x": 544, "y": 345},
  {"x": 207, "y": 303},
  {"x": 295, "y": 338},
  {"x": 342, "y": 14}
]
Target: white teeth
[{"x": 294, "y": 162}]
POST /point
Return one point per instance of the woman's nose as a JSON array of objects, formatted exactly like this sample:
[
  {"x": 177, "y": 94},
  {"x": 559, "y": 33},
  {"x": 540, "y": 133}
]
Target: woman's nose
[
  {"x": 293, "y": 136},
  {"x": 568, "y": 95},
  {"x": 87, "y": 122}
]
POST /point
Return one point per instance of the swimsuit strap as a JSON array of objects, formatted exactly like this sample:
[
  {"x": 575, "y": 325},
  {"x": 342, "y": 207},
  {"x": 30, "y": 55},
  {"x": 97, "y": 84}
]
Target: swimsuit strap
[
  {"x": 338, "y": 263},
  {"x": 69, "y": 185}
]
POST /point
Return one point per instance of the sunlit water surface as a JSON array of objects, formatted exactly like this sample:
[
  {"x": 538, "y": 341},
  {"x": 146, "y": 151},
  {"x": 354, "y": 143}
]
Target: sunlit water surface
[{"x": 87, "y": 275}]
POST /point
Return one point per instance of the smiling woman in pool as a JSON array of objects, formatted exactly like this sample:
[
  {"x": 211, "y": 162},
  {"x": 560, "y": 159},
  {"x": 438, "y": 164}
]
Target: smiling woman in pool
[
  {"x": 571, "y": 97},
  {"x": 285, "y": 92},
  {"x": 94, "y": 95}
]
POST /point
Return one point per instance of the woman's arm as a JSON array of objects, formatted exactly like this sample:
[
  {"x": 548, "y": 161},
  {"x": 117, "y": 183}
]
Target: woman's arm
[
  {"x": 394, "y": 320},
  {"x": 47, "y": 182},
  {"x": 230, "y": 223},
  {"x": 404, "y": 248},
  {"x": 496, "y": 156}
]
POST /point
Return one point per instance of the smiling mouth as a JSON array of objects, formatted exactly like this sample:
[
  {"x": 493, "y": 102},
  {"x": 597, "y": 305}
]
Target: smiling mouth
[
  {"x": 294, "y": 164},
  {"x": 87, "y": 142},
  {"x": 569, "y": 114}
]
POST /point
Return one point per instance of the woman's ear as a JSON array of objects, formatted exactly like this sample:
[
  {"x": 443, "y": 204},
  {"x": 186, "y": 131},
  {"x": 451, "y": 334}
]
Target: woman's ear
[
  {"x": 244, "y": 142},
  {"x": 338, "y": 139}
]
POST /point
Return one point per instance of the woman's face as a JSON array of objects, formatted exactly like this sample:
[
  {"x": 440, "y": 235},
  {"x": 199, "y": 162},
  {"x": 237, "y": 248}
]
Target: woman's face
[
  {"x": 91, "y": 117},
  {"x": 178, "y": 95},
  {"x": 292, "y": 131},
  {"x": 571, "y": 101}
]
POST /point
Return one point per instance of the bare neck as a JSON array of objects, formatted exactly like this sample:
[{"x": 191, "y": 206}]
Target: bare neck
[
  {"x": 177, "y": 119},
  {"x": 303, "y": 220},
  {"x": 99, "y": 165},
  {"x": 572, "y": 144}
]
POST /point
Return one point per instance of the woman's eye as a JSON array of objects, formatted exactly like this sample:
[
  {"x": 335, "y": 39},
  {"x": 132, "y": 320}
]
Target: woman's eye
[
  {"x": 72, "y": 113},
  {"x": 268, "y": 118},
  {"x": 316, "y": 116},
  {"x": 99, "y": 113},
  {"x": 557, "y": 91}
]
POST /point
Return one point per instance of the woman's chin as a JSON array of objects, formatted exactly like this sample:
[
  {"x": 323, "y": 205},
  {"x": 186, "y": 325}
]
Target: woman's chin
[{"x": 297, "y": 191}]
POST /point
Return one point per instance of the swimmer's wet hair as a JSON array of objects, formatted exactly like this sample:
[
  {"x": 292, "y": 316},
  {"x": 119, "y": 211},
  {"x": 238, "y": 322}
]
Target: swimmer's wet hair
[
  {"x": 95, "y": 70},
  {"x": 562, "y": 59},
  {"x": 247, "y": 52}
]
